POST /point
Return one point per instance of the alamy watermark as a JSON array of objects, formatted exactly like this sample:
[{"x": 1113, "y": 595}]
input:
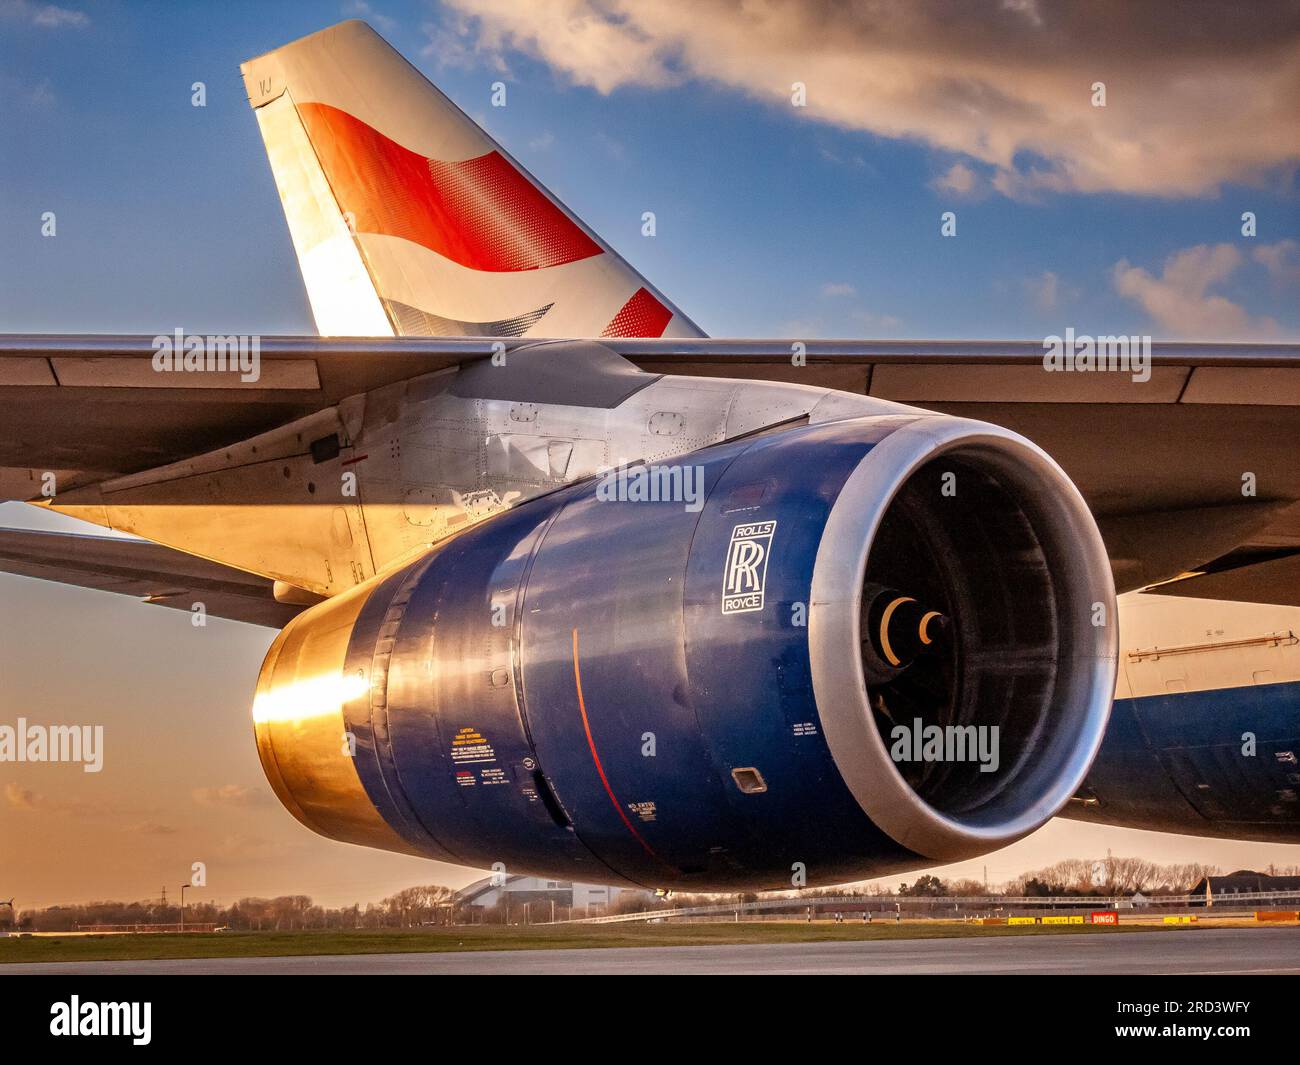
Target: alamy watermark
[
  {"x": 74, "y": 1017},
  {"x": 182, "y": 352},
  {"x": 1082, "y": 353},
  {"x": 22, "y": 742},
  {"x": 654, "y": 484},
  {"x": 920, "y": 742}
]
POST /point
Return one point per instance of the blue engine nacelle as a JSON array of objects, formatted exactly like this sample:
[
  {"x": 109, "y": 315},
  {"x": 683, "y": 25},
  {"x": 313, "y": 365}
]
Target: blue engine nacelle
[{"x": 708, "y": 693}]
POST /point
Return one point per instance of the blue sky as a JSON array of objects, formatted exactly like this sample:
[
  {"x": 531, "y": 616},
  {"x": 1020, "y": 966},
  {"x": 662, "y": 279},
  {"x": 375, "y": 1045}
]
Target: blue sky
[{"x": 770, "y": 220}]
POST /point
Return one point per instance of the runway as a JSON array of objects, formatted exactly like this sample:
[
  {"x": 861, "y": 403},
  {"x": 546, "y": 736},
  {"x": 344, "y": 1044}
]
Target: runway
[{"x": 1219, "y": 951}]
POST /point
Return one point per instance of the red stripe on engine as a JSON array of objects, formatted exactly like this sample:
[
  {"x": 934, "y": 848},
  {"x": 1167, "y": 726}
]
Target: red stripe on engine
[
  {"x": 641, "y": 316},
  {"x": 591, "y": 746},
  {"x": 481, "y": 212}
]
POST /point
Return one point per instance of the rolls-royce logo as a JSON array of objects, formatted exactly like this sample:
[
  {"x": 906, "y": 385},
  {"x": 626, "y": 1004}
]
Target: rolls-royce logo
[{"x": 746, "y": 571}]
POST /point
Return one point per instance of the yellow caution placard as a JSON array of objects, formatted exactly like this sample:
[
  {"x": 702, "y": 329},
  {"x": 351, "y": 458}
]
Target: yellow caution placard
[
  {"x": 1022, "y": 920},
  {"x": 1181, "y": 918},
  {"x": 1070, "y": 918}
]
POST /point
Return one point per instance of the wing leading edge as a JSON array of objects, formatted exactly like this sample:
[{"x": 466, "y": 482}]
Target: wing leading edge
[{"x": 156, "y": 574}]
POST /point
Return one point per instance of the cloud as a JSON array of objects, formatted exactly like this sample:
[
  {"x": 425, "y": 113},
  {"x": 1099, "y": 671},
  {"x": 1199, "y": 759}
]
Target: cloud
[
  {"x": 1026, "y": 8},
  {"x": 1180, "y": 300},
  {"x": 1048, "y": 292},
  {"x": 243, "y": 847},
  {"x": 35, "y": 96},
  {"x": 153, "y": 828},
  {"x": 611, "y": 146},
  {"x": 854, "y": 160},
  {"x": 1281, "y": 260},
  {"x": 958, "y": 180},
  {"x": 864, "y": 323},
  {"x": 602, "y": 45},
  {"x": 833, "y": 289},
  {"x": 230, "y": 795},
  {"x": 46, "y": 16},
  {"x": 1193, "y": 101},
  {"x": 25, "y": 799},
  {"x": 801, "y": 327},
  {"x": 875, "y": 320},
  {"x": 41, "y": 95},
  {"x": 361, "y": 9}
]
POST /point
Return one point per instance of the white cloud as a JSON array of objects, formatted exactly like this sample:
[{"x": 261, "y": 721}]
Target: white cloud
[
  {"x": 1180, "y": 300},
  {"x": 26, "y": 799},
  {"x": 1281, "y": 260},
  {"x": 612, "y": 146},
  {"x": 41, "y": 95},
  {"x": 833, "y": 289},
  {"x": 361, "y": 9},
  {"x": 865, "y": 323},
  {"x": 46, "y": 16},
  {"x": 874, "y": 320},
  {"x": 1026, "y": 8},
  {"x": 153, "y": 828},
  {"x": 29, "y": 95},
  {"x": 604, "y": 46},
  {"x": 854, "y": 159},
  {"x": 240, "y": 848},
  {"x": 230, "y": 795},
  {"x": 958, "y": 180},
  {"x": 1048, "y": 292},
  {"x": 1192, "y": 102}
]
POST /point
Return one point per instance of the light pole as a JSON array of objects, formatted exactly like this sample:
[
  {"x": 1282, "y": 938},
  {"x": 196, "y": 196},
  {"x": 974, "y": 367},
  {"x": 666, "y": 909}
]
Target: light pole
[{"x": 183, "y": 887}]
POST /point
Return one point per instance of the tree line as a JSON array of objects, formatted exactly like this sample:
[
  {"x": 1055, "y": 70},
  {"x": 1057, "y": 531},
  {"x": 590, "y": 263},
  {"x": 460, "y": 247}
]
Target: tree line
[{"x": 435, "y": 904}]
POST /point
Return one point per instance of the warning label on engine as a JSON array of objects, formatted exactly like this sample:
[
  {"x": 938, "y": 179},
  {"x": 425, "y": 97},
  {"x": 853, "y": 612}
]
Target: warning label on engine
[
  {"x": 469, "y": 746},
  {"x": 746, "y": 569},
  {"x": 644, "y": 810}
]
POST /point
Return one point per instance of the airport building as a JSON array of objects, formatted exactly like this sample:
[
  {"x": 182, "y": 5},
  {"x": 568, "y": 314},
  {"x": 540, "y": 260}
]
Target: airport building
[
  {"x": 1243, "y": 882},
  {"x": 522, "y": 890}
]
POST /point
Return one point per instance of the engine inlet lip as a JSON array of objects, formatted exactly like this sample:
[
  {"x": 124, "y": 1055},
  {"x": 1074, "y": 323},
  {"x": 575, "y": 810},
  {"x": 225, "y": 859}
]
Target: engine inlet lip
[{"x": 1086, "y": 681}]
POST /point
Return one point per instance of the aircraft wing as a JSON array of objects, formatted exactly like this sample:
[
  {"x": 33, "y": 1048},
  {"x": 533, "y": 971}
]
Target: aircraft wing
[
  {"x": 96, "y": 407},
  {"x": 95, "y": 402},
  {"x": 1174, "y": 456},
  {"x": 1250, "y": 575},
  {"x": 1204, "y": 449},
  {"x": 152, "y": 572}
]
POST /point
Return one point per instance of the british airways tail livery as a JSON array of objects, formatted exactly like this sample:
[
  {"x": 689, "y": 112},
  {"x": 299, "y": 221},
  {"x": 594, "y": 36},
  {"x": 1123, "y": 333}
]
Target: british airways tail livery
[
  {"x": 632, "y": 605},
  {"x": 409, "y": 220}
]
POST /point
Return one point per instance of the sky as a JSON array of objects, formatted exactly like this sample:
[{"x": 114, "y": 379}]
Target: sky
[{"x": 773, "y": 219}]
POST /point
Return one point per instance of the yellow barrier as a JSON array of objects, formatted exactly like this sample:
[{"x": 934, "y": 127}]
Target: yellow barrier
[
  {"x": 1181, "y": 919},
  {"x": 1022, "y": 920},
  {"x": 1074, "y": 918}
]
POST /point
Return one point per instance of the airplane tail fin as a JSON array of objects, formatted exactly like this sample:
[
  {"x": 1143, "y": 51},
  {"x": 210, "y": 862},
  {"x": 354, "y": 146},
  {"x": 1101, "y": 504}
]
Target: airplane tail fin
[{"x": 409, "y": 220}]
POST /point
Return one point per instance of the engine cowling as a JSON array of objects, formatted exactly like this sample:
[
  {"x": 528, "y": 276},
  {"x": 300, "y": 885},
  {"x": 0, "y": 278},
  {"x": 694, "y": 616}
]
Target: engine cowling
[{"x": 709, "y": 693}]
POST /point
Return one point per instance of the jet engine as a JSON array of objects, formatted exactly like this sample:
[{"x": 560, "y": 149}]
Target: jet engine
[{"x": 811, "y": 655}]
